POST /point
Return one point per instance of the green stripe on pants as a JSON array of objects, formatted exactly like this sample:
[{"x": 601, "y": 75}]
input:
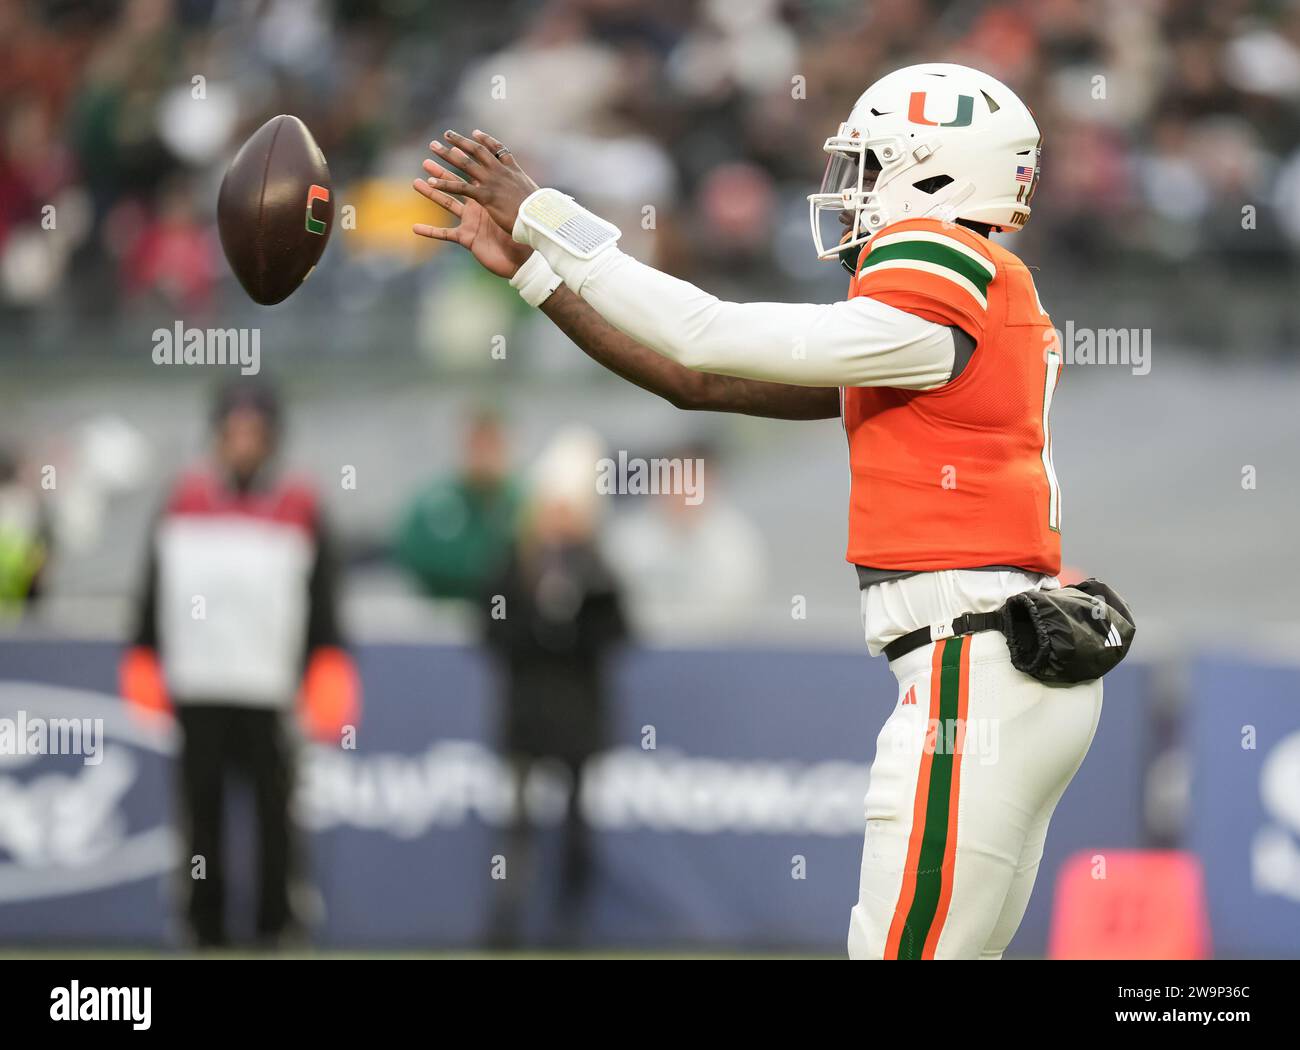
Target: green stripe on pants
[{"x": 934, "y": 841}]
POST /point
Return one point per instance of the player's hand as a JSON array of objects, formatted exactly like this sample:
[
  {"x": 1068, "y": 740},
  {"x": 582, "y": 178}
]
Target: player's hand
[
  {"x": 492, "y": 177},
  {"x": 492, "y": 246}
]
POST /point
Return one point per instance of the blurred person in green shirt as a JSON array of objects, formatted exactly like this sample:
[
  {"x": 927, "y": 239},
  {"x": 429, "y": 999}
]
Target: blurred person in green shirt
[{"x": 455, "y": 535}]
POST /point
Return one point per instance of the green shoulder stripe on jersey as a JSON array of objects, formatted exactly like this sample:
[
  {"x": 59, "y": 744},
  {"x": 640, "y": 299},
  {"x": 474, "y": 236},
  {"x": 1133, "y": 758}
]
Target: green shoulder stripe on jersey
[{"x": 931, "y": 252}]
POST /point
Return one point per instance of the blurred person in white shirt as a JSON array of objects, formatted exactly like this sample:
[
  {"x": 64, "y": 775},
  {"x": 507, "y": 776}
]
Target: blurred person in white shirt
[{"x": 694, "y": 565}]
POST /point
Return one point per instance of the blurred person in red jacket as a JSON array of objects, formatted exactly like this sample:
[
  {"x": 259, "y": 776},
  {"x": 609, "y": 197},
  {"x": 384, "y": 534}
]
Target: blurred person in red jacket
[
  {"x": 237, "y": 626},
  {"x": 172, "y": 256}
]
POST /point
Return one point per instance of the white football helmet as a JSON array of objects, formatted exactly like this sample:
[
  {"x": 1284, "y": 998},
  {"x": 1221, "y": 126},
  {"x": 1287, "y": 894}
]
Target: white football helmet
[{"x": 934, "y": 140}]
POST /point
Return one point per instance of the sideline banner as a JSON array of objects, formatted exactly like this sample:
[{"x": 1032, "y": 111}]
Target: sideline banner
[
  {"x": 1244, "y": 728},
  {"x": 742, "y": 825}
]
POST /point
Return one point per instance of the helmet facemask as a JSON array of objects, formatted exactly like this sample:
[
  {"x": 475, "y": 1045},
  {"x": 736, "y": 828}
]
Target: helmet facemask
[{"x": 848, "y": 209}]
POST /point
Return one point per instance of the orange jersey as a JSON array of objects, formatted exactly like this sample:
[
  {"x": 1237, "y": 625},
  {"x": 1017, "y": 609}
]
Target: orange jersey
[{"x": 959, "y": 476}]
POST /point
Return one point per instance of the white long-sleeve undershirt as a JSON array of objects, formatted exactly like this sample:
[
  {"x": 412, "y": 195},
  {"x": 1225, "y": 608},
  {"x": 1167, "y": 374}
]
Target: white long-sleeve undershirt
[{"x": 860, "y": 342}]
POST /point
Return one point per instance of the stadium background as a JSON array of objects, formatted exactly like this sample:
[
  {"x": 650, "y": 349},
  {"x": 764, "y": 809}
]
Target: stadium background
[{"x": 1170, "y": 205}]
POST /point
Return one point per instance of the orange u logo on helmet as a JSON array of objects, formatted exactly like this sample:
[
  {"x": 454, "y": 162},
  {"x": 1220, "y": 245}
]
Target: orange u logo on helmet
[{"x": 965, "y": 111}]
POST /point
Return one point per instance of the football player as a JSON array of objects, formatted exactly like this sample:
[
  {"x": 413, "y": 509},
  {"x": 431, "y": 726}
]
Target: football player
[{"x": 942, "y": 365}]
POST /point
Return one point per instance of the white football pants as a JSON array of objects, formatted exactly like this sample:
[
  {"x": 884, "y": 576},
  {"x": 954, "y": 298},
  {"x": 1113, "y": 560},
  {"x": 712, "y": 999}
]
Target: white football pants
[{"x": 969, "y": 768}]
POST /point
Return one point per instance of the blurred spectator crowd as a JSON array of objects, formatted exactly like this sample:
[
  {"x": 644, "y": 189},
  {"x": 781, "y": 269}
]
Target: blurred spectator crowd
[{"x": 696, "y": 124}]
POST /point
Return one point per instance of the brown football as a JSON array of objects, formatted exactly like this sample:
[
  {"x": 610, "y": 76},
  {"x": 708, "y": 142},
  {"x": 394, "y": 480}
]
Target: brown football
[{"x": 275, "y": 209}]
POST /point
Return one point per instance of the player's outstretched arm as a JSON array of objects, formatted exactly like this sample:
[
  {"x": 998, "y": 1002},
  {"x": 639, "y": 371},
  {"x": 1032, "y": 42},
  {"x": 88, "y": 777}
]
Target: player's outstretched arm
[
  {"x": 606, "y": 345},
  {"x": 681, "y": 386},
  {"x": 860, "y": 342}
]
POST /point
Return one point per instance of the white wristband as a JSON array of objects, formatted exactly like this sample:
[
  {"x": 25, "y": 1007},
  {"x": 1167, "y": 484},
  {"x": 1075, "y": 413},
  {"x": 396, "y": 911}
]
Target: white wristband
[{"x": 535, "y": 280}]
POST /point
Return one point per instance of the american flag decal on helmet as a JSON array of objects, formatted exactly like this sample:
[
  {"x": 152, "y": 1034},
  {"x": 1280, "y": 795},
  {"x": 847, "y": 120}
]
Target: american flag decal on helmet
[{"x": 1024, "y": 174}]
